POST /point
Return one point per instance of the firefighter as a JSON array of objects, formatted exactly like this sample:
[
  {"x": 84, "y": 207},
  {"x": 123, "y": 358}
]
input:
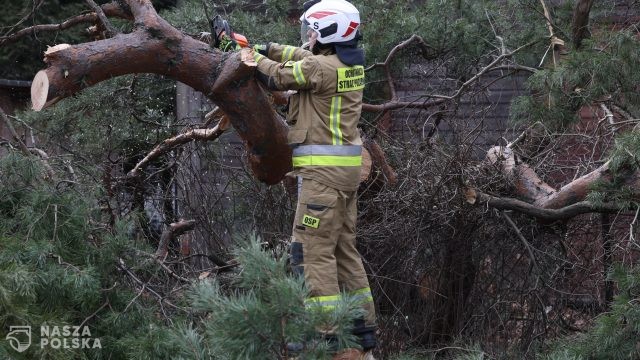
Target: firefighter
[{"x": 328, "y": 80}]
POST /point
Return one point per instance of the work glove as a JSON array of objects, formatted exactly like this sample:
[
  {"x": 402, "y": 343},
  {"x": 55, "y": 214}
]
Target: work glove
[{"x": 262, "y": 49}]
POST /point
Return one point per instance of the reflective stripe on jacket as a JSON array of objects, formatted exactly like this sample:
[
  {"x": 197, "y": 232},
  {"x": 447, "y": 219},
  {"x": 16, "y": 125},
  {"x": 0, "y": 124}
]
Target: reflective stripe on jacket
[{"x": 323, "y": 114}]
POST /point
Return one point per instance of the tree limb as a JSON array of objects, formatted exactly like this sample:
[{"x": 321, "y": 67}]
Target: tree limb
[
  {"x": 172, "y": 232},
  {"x": 111, "y": 9},
  {"x": 155, "y": 46},
  {"x": 181, "y": 139},
  {"x": 109, "y": 29},
  {"x": 476, "y": 197},
  {"x": 394, "y": 105}
]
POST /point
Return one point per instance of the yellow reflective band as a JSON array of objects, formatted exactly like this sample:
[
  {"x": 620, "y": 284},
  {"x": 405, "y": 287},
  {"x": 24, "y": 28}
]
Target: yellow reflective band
[
  {"x": 334, "y": 120},
  {"x": 361, "y": 291},
  {"x": 323, "y": 303},
  {"x": 257, "y": 56},
  {"x": 350, "y": 79},
  {"x": 327, "y": 160},
  {"x": 310, "y": 221},
  {"x": 287, "y": 53},
  {"x": 297, "y": 73},
  {"x": 363, "y": 295}
]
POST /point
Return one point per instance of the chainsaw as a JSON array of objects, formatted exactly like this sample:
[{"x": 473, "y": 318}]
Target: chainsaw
[{"x": 223, "y": 36}]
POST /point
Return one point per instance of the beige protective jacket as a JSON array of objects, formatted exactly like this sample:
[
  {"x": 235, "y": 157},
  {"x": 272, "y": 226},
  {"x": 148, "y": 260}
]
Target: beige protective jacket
[{"x": 323, "y": 114}]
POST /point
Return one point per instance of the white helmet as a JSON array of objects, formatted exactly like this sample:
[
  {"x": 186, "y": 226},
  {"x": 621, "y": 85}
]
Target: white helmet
[{"x": 335, "y": 21}]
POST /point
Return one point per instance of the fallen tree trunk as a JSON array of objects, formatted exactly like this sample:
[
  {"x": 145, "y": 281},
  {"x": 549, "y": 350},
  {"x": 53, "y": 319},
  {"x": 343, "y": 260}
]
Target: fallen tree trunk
[
  {"x": 542, "y": 200},
  {"x": 155, "y": 46}
]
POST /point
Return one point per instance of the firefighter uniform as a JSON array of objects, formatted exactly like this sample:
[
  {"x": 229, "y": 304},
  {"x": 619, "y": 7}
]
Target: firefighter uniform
[{"x": 323, "y": 115}]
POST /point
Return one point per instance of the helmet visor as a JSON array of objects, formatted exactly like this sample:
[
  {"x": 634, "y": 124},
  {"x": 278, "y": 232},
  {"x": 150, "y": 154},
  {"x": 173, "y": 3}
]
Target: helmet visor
[{"x": 304, "y": 31}]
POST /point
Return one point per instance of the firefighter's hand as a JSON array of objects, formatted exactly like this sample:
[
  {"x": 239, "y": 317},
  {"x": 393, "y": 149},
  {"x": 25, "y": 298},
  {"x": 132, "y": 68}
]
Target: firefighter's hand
[
  {"x": 250, "y": 55},
  {"x": 262, "y": 49}
]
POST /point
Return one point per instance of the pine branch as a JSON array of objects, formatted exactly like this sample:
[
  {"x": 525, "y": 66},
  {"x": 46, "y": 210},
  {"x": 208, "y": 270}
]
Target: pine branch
[
  {"x": 478, "y": 198},
  {"x": 109, "y": 29},
  {"x": 23, "y": 147},
  {"x": 181, "y": 139},
  {"x": 111, "y": 9}
]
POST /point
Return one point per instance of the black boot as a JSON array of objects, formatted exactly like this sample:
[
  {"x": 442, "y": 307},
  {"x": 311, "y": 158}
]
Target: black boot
[{"x": 366, "y": 334}]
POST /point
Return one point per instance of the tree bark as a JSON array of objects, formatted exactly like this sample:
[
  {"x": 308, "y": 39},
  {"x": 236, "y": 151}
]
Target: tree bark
[
  {"x": 581, "y": 22},
  {"x": 155, "y": 46}
]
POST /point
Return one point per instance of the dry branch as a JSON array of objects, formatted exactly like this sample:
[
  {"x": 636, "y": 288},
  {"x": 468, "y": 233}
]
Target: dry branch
[
  {"x": 109, "y": 29},
  {"x": 181, "y": 139},
  {"x": 386, "y": 65},
  {"x": 110, "y": 9},
  {"x": 477, "y": 198},
  {"x": 394, "y": 103},
  {"x": 172, "y": 232},
  {"x": 35, "y": 7}
]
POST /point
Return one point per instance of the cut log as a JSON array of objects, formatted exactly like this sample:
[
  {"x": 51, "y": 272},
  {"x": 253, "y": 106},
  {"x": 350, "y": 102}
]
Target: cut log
[{"x": 39, "y": 90}]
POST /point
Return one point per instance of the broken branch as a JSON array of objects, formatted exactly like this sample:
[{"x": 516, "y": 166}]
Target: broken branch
[
  {"x": 109, "y": 29},
  {"x": 184, "y": 138},
  {"x": 476, "y": 197},
  {"x": 172, "y": 232}
]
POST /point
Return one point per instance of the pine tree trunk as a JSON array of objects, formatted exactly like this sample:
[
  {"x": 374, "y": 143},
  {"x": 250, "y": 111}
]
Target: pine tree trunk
[{"x": 155, "y": 46}]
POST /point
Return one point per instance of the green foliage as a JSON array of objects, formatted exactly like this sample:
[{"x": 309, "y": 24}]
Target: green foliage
[
  {"x": 615, "y": 334},
  {"x": 58, "y": 269},
  {"x": 264, "y": 311},
  {"x": 602, "y": 69},
  {"x": 139, "y": 115}
]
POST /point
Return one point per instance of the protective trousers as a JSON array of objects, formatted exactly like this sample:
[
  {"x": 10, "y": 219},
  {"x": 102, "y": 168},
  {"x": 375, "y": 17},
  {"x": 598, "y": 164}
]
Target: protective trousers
[{"x": 324, "y": 249}]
